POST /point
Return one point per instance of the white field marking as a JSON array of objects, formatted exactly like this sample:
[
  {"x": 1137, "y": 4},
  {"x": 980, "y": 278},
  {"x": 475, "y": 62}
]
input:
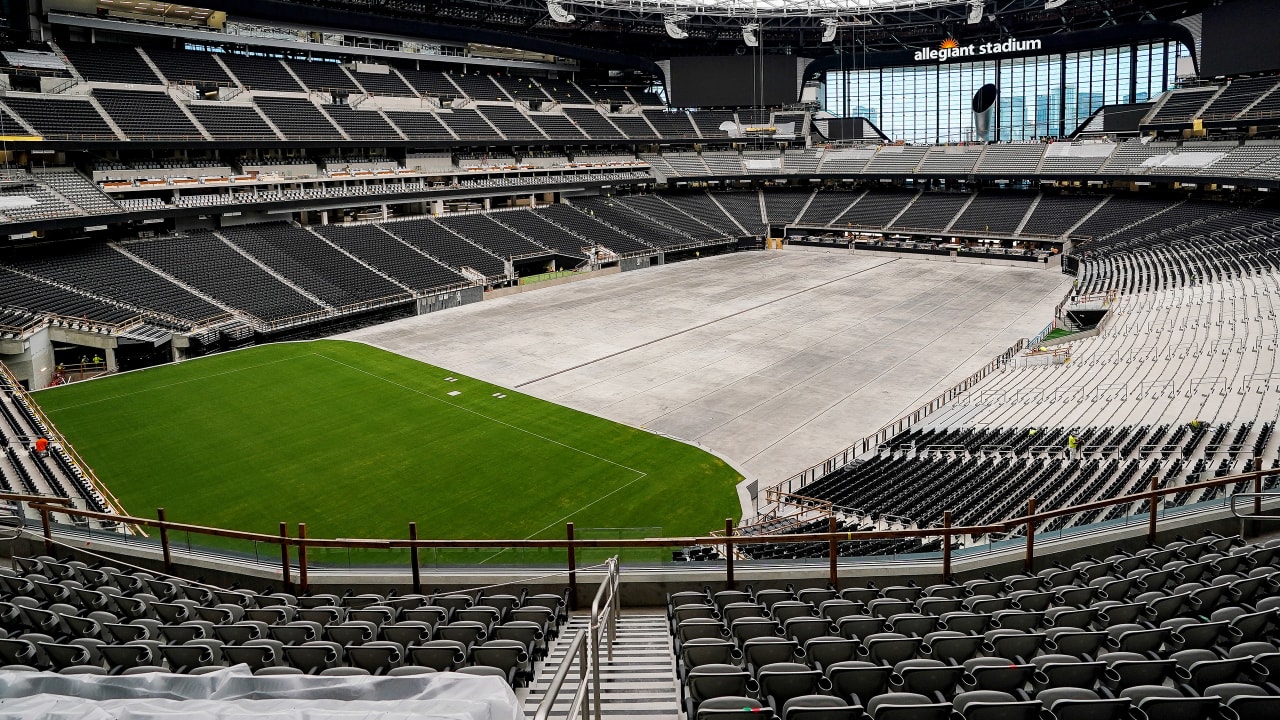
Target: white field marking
[
  {"x": 566, "y": 517},
  {"x": 416, "y": 391},
  {"x": 182, "y": 382},
  {"x": 640, "y": 475}
]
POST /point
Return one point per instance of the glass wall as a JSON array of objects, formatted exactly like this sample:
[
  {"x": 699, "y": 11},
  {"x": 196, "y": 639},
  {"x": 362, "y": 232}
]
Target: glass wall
[{"x": 1044, "y": 96}]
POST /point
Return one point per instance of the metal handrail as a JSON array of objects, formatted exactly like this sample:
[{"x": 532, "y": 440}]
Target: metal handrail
[
  {"x": 1258, "y": 499},
  {"x": 605, "y": 606},
  {"x": 608, "y": 591},
  {"x": 581, "y": 700}
]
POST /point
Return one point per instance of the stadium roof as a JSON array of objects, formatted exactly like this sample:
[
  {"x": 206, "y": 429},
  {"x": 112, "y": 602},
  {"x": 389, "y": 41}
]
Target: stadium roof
[
  {"x": 747, "y": 9},
  {"x": 631, "y": 32}
]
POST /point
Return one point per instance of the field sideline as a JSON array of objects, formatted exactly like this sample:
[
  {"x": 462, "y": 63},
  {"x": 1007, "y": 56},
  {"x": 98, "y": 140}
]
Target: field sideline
[{"x": 357, "y": 442}]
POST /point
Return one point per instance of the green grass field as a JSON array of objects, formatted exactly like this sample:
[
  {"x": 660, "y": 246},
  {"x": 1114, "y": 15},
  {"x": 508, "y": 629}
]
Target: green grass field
[{"x": 358, "y": 442}]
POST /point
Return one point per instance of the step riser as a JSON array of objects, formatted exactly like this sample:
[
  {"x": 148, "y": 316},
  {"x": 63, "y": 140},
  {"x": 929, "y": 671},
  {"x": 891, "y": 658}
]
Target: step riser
[{"x": 639, "y": 681}]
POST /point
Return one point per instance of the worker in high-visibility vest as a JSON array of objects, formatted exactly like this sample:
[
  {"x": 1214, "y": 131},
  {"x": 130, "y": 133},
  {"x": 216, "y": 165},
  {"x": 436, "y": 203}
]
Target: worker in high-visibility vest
[{"x": 1073, "y": 446}]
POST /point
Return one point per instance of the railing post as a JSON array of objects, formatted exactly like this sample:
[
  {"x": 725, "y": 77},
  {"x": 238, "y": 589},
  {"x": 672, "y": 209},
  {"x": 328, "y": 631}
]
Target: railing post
[
  {"x": 832, "y": 551},
  {"x": 615, "y": 605},
  {"x": 584, "y": 669},
  {"x": 1257, "y": 486},
  {"x": 572, "y": 552},
  {"x": 284, "y": 557},
  {"x": 413, "y": 559},
  {"x": 1152, "y": 509},
  {"x": 728, "y": 553},
  {"x": 302, "y": 557},
  {"x": 946, "y": 546},
  {"x": 164, "y": 543},
  {"x": 1030, "y": 561},
  {"x": 48, "y": 535},
  {"x": 595, "y": 666}
]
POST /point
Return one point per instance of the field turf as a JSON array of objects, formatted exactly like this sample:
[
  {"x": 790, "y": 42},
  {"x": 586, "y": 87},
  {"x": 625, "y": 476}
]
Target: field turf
[{"x": 358, "y": 442}]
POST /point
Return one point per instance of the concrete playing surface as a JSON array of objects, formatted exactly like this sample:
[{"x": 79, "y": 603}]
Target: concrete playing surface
[{"x": 774, "y": 360}]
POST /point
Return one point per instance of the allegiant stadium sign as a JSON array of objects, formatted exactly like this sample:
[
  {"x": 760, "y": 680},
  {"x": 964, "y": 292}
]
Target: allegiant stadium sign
[{"x": 950, "y": 49}]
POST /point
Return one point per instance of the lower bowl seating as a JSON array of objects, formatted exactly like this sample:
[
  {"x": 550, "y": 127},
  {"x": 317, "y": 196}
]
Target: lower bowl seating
[{"x": 1190, "y": 629}]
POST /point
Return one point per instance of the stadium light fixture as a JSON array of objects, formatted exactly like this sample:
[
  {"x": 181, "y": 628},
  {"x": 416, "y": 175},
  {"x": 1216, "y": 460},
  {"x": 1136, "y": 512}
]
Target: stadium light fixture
[
  {"x": 755, "y": 10},
  {"x": 558, "y": 13},
  {"x": 673, "y": 25},
  {"x": 749, "y": 35},
  {"x": 975, "y": 11},
  {"x": 1052, "y": 4},
  {"x": 830, "y": 26}
]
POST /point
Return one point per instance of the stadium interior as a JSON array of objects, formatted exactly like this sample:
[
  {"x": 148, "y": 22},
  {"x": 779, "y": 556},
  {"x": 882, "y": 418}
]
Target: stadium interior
[{"x": 714, "y": 360}]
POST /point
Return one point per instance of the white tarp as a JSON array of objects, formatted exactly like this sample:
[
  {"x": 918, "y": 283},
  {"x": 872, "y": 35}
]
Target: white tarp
[
  {"x": 17, "y": 202},
  {"x": 235, "y": 694},
  {"x": 34, "y": 59},
  {"x": 1066, "y": 149},
  {"x": 1183, "y": 160}
]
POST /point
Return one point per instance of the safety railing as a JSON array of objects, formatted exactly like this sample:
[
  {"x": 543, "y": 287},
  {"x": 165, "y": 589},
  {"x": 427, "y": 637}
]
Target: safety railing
[
  {"x": 875, "y": 440},
  {"x": 774, "y": 495},
  {"x": 950, "y": 535},
  {"x": 586, "y": 647},
  {"x": 880, "y": 230},
  {"x": 605, "y": 608},
  {"x": 12, "y": 517},
  {"x": 55, "y": 436},
  {"x": 292, "y": 320},
  {"x": 581, "y": 703},
  {"x": 23, "y": 329},
  {"x": 1254, "y": 513},
  {"x": 373, "y": 303},
  {"x": 98, "y": 326}
]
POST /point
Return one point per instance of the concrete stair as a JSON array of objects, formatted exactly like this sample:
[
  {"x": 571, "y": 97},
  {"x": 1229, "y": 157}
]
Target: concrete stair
[{"x": 640, "y": 681}]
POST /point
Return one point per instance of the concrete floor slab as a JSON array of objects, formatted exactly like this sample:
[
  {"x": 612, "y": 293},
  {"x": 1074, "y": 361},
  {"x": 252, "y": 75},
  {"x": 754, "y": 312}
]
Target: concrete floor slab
[{"x": 775, "y": 360}]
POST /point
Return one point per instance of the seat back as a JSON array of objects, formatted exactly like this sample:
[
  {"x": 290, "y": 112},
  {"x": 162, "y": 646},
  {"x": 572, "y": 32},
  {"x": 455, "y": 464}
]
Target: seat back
[
  {"x": 440, "y": 655},
  {"x": 858, "y": 681},
  {"x": 377, "y": 657}
]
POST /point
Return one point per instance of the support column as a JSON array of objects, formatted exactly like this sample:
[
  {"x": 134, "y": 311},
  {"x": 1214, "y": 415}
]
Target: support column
[
  {"x": 437, "y": 207},
  {"x": 324, "y": 217},
  {"x": 112, "y": 366},
  {"x": 486, "y": 203},
  {"x": 384, "y": 212}
]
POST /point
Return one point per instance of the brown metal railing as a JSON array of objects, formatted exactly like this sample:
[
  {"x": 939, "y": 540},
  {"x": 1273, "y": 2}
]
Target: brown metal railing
[
  {"x": 98, "y": 325},
  {"x": 56, "y": 436},
  {"x": 776, "y": 495},
  {"x": 946, "y": 532},
  {"x": 20, "y": 330}
]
